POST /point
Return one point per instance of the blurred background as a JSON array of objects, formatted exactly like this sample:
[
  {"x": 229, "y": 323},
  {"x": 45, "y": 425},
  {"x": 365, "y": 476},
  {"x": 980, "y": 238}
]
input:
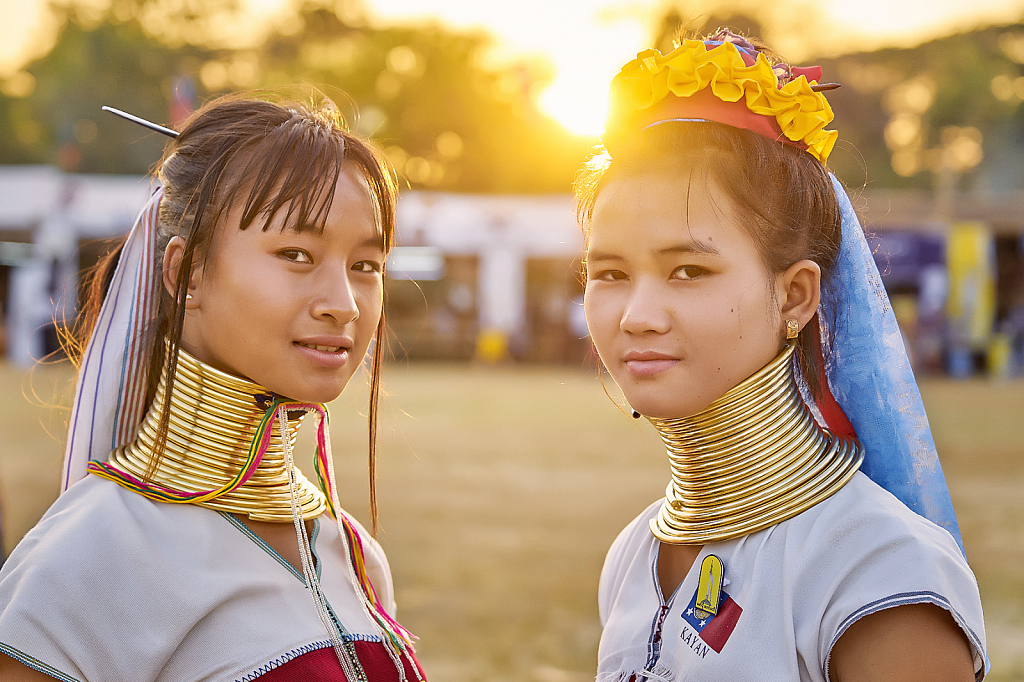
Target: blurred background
[{"x": 507, "y": 471}]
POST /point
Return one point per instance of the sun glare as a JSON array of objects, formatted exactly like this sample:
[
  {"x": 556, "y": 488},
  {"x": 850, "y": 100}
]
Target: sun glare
[
  {"x": 579, "y": 108},
  {"x": 585, "y": 42},
  {"x": 585, "y": 63}
]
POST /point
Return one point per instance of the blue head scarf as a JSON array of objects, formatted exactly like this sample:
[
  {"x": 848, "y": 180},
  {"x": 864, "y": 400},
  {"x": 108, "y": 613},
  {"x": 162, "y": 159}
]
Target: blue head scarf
[{"x": 873, "y": 383}]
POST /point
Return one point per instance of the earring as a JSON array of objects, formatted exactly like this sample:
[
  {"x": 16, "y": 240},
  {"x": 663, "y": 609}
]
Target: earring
[
  {"x": 188, "y": 297},
  {"x": 636, "y": 415},
  {"x": 792, "y": 329}
]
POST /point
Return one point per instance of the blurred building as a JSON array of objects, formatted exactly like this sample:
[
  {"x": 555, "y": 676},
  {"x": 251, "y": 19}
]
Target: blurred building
[
  {"x": 494, "y": 277},
  {"x": 52, "y": 227},
  {"x": 497, "y": 278},
  {"x": 956, "y": 283},
  {"x": 508, "y": 280}
]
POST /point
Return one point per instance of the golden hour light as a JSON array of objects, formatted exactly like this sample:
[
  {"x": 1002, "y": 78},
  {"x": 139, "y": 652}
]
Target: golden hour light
[
  {"x": 586, "y": 42},
  {"x": 584, "y": 45},
  {"x": 907, "y": 22},
  {"x": 574, "y": 105},
  {"x": 578, "y": 96},
  {"x": 792, "y": 266}
]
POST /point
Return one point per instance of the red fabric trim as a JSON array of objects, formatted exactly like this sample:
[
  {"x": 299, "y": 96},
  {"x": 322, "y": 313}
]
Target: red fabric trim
[
  {"x": 835, "y": 418},
  {"x": 322, "y": 665},
  {"x": 748, "y": 59},
  {"x": 812, "y": 73},
  {"x": 705, "y": 105}
]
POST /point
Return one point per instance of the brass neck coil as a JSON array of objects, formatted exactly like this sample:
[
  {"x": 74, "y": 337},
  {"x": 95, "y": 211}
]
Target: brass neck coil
[
  {"x": 751, "y": 459},
  {"x": 213, "y": 420}
]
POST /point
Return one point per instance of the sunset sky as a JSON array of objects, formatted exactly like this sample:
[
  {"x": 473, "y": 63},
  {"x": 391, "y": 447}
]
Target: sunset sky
[{"x": 586, "y": 41}]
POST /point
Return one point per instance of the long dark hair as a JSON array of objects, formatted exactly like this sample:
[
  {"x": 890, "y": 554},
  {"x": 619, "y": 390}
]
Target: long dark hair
[{"x": 279, "y": 156}]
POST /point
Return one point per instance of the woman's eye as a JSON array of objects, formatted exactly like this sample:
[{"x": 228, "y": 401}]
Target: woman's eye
[
  {"x": 297, "y": 256},
  {"x": 367, "y": 266},
  {"x": 609, "y": 275},
  {"x": 689, "y": 272}
]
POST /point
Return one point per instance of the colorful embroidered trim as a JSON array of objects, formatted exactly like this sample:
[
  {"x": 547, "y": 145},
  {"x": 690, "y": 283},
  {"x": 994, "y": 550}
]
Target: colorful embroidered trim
[
  {"x": 130, "y": 402},
  {"x": 34, "y": 663},
  {"x": 160, "y": 493},
  {"x": 355, "y": 542},
  {"x": 282, "y": 659},
  {"x": 113, "y": 370},
  {"x": 399, "y": 636}
]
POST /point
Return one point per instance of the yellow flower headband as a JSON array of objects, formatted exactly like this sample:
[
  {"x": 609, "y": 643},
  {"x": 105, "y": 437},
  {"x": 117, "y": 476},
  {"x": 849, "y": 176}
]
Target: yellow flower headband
[{"x": 725, "y": 83}]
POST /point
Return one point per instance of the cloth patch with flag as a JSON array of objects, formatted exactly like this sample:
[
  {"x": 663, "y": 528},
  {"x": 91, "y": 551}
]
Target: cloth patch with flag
[{"x": 714, "y": 629}]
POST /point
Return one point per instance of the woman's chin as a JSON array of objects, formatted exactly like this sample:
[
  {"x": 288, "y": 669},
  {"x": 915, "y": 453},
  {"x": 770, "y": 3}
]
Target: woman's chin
[
  {"x": 671, "y": 397},
  {"x": 661, "y": 409},
  {"x": 304, "y": 393},
  {"x": 320, "y": 397}
]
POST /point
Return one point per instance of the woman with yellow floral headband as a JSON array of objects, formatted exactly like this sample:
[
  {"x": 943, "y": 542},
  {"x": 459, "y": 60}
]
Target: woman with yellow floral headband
[{"x": 806, "y": 532}]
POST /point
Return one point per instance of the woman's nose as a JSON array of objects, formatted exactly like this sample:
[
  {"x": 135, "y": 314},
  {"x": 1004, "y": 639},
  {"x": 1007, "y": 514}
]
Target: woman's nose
[
  {"x": 646, "y": 311},
  {"x": 334, "y": 297}
]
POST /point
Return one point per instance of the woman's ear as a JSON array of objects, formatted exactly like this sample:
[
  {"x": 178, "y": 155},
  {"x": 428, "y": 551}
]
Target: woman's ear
[
  {"x": 800, "y": 292},
  {"x": 172, "y": 263}
]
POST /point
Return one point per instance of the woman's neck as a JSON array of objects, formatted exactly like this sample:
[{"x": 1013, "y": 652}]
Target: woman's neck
[
  {"x": 214, "y": 419},
  {"x": 751, "y": 459}
]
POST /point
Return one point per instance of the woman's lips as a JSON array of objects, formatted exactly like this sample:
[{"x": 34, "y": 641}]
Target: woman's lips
[
  {"x": 648, "y": 363},
  {"x": 325, "y": 355}
]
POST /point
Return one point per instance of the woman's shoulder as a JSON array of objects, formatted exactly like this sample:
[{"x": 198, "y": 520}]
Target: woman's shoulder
[
  {"x": 106, "y": 565},
  {"x": 57, "y": 589},
  {"x": 86, "y": 517},
  {"x": 862, "y": 544},
  {"x": 97, "y": 529},
  {"x": 861, "y": 520},
  {"x": 863, "y": 551},
  {"x": 863, "y": 515},
  {"x": 635, "y": 536},
  {"x": 635, "y": 540}
]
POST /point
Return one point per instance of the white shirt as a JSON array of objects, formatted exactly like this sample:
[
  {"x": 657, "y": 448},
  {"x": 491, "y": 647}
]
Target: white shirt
[
  {"x": 789, "y": 592},
  {"x": 111, "y": 586}
]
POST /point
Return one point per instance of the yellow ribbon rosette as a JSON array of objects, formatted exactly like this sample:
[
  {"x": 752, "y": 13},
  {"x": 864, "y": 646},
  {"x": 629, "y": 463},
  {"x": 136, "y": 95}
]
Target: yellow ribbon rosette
[{"x": 792, "y": 112}]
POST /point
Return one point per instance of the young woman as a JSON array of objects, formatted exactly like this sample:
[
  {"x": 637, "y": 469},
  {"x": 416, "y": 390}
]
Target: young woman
[
  {"x": 793, "y": 541},
  {"x": 186, "y": 544}
]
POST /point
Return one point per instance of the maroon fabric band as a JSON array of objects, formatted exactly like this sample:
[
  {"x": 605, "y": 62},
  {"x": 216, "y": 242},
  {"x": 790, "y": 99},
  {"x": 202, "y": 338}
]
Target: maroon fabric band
[
  {"x": 322, "y": 665},
  {"x": 835, "y": 418}
]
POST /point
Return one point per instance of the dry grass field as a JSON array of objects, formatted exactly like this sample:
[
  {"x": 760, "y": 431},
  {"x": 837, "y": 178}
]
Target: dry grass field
[{"x": 500, "y": 490}]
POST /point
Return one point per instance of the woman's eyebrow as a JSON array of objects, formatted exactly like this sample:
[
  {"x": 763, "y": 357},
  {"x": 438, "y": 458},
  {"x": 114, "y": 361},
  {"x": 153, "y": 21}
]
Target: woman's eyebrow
[
  {"x": 302, "y": 228},
  {"x": 602, "y": 255},
  {"x": 375, "y": 242},
  {"x": 694, "y": 246}
]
